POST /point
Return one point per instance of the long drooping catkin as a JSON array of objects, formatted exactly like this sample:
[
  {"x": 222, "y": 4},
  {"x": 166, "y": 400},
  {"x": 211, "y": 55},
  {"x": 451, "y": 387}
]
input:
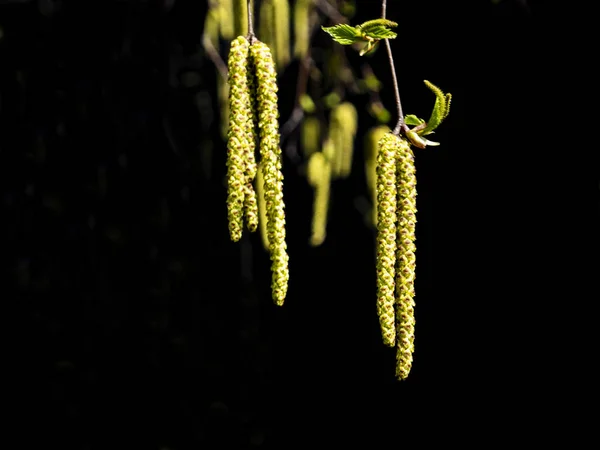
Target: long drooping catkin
[
  {"x": 386, "y": 235},
  {"x": 250, "y": 201},
  {"x": 405, "y": 275},
  {"x": 237, "y": 141},
  {"x": 270, "y": 152}
]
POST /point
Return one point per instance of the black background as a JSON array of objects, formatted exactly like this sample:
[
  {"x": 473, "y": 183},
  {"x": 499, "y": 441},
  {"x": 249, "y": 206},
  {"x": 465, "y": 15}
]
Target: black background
[{"x": 135, "y": 323}]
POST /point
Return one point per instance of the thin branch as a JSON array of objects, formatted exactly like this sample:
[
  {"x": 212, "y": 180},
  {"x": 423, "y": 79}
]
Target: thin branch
[
  {"x": 400, "y": 125},
  {"x": 251, "y": 35}
]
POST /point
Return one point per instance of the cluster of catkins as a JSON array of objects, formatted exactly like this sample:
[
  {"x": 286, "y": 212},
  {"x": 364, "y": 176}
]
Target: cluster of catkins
[
  {"x": 396, "y": 191},
  {"x": 253, "y": 122}
]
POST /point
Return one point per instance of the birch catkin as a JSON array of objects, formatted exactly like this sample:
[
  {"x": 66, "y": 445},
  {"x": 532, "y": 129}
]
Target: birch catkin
[
  {"x": 405, "y": 276},
  {"x": 270, "y": 152},
  {"x": 371, "y": 144},
  {"x": 237, "y": 140},
  {"x": 386, "y": 235}
]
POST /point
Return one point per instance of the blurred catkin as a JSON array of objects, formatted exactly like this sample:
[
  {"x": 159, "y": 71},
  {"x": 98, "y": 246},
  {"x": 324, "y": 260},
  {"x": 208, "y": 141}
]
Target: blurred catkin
[
  {"x": 274, "y": 30},
  {"x": 226, "y": 18},
  {"x": 405, "y": 275},
  {"x": 342, "y": 128},
  {"x": 319, "y": 176},
  {"x": 310, "y": 135},
  {"x": 240, "y": 14},
  {"x": 238, "y": 133},
  {"x": 302, "y": 17},
  {"x": 270, "y": 152},
  {"x": 386, "y": 235}
]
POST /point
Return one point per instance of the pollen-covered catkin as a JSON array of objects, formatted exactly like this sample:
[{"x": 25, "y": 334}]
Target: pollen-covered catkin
[
  {"x": 262, "y": 207},
  {"x": 270, "y": 152},
  {"x": 386, "y": 235},
  {"x": 371, "y": 145},
  {"x": 250, "y": 171},
  {"x": 237, "y": 141},
  {"x": 405, "y": 275},
  {"x": 319, "y": 176}
]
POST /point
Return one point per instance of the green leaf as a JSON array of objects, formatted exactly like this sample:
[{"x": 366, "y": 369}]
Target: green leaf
[
  {"x": 373, "y": 24},
  {"x": 380, "y": 33},
  {"x": 344, "y": 34},
  {"x": 411, "y": 119},
  {"x": 441, "y": 109},
  {"x": 378, "y": 29}
]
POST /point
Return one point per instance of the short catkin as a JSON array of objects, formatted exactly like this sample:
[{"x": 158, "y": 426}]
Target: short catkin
[
  {"x": 386, "y": 234},
  {"x": 270, "y": 152},
  {"x": 405, "y": 275},
  {"x": 319, "y": 177},
  {"x": 302, "y": 14}
]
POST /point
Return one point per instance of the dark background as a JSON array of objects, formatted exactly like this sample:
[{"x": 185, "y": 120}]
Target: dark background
[{"x": 135, "y": 323}]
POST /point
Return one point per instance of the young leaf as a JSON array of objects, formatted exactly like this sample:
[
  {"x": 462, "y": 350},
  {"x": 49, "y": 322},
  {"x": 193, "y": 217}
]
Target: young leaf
[
  {"x": 380, "y": 32},
  {"x": 411, "y": 119},
  {"x": 343, "y": 34},
  {"x": 441, "y": 108},
  {"x": 373, "y": 24}
]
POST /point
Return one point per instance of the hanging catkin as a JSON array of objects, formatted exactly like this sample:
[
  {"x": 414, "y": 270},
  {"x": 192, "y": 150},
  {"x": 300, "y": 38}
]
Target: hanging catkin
[
  {"x": 270, "y": 152},
  {"x": 386, "y": 235},
  {"x": 238, "y": 133},
  {"x": 371, "y": 145},
  {"x": 405, "y": 275}
]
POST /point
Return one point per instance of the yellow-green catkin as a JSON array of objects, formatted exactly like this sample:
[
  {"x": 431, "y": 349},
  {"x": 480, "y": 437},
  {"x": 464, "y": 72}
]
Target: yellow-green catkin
[
  {"x": 343, "y": 125},
  {"x": 270, "y": 152},
  {"x": 274, "y": 30},
  {"x": 310, "y": 136},
  {"x": 405, "y": 274},
  {"x": 371, "y": 145},
  {"x": 302, "y": 18},
  {"x": 237, "y": 139},
  {"x": 226, "y": 19},
  {"x": 250, "y": 171},
  {"x": 262, "y": 207},
  {"x": 319, "y": 177},
  {"x": 240, "y": 14},
  {"x": 386, "y": 234}
]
